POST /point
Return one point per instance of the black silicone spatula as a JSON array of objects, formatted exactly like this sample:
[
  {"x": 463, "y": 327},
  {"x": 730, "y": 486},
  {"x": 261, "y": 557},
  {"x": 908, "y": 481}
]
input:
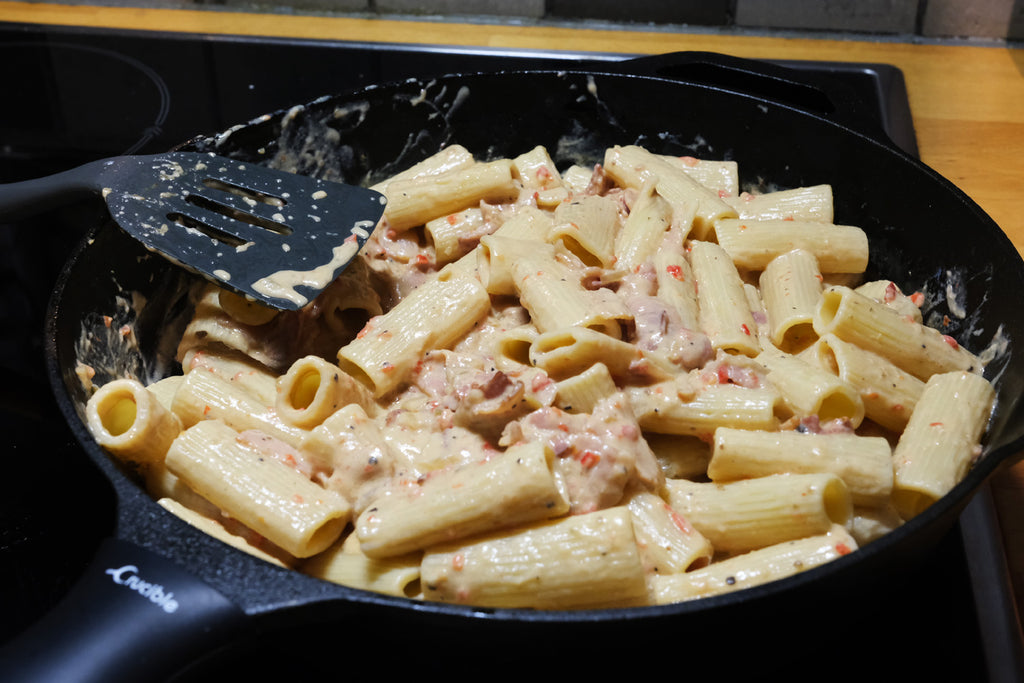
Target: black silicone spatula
[{"x": 276, "y": 237}]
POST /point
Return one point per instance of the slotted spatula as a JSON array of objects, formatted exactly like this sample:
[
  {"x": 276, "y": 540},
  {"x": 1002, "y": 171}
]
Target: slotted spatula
[{"x": 276, "y": 237}]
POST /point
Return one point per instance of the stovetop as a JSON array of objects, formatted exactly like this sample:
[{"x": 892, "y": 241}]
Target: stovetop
[{"x": 72, "y": 95}]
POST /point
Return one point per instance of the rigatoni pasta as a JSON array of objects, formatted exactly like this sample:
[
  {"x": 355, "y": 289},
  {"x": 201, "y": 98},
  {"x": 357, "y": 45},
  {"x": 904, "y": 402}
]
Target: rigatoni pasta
[{"x": 627, "y": 384}]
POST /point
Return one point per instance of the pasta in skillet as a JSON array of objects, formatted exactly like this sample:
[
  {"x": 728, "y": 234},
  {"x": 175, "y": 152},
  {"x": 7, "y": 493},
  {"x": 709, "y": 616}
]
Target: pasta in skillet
[{"x": 563, "y": 389}]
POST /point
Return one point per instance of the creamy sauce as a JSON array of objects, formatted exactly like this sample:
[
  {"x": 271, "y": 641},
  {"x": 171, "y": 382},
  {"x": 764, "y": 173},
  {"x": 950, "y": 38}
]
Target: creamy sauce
[{"x": 283, "y": 284}]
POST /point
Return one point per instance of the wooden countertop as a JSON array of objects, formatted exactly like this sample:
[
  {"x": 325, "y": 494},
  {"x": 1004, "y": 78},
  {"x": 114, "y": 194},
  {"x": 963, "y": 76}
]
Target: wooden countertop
[{"x": 967, "y": 103}]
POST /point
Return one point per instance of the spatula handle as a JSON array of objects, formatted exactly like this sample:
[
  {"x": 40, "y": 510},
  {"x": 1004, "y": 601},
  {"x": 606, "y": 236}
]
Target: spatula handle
[
  {"x": 29, "y": 197},
  {"x": 133, "y": 616}
]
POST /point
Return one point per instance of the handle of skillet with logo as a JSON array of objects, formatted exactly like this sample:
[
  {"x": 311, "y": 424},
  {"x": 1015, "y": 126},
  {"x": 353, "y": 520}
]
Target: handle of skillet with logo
[{"x": 133, "y": 616}]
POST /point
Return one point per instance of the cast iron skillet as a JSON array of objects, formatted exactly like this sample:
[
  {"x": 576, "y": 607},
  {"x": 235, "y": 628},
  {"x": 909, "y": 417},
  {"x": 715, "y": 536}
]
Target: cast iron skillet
[{"x": 926, "y": 235}]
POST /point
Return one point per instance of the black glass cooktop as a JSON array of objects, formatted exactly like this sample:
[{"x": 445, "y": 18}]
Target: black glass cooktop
[{"x": 71, "y": 95}]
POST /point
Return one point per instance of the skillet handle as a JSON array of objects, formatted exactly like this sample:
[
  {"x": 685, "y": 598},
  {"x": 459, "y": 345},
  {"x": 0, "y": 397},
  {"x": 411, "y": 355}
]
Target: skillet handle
[
  {"x": 819, "y": 95},
  {"x": 133, "y": 616}
]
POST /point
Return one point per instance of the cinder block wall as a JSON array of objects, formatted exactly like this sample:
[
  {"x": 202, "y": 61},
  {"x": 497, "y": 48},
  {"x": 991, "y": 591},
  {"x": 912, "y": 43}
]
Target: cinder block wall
[{"x": 980, "y": 19}]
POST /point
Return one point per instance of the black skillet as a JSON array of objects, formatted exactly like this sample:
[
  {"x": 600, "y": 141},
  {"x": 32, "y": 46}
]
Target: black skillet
[{"x": 781, "y": 128}]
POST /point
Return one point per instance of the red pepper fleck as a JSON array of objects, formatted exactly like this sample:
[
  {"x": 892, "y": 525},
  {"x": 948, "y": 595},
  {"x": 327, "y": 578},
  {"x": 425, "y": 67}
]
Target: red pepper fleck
[
  {"x": 949, "y": 340},
  {"x": 452, "y": 219},
  {"x": 676, "y": 272},
  {"x": 679, "y": 521},
  {"x": 843, "y": 549},
  {"x": 589, "y": 458},
  {"x": 746, "y": 330}
]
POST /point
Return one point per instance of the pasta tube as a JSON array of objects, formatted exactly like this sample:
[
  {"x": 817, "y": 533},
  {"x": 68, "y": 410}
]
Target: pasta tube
[
  {"x": 236, "y": 368},
  {"x": 451, "y": 158},
  {"x": 643, "y": 230},
  {"x": 433, "y": 315},
  {"x": 259, "y": 490},
  {"x": 721, "y": 177},
  {"x": 447, "y": 233},
  {"x": 677, "y": 286},
  {"x": 668, "y": 543},
  {"x": 888, "y": 393},
  {"x": 554, "y": 295},
  {"x": 582, "y": 392},
  {"x": 864, "y": 463},
  {"x": 724, "y": 310},
  {"x": 514, "y": 487},
  {"x": 753, "y": 244},
  {"x": 415, "y": 201},
  {"x": 204, "y": 396},
  {"x": 754, "y": 568},
  {"x": 497, "y": 255},
  {"x": 127, "y": 419},
  {"x": 810, "y": 390},
  {"x": 633, "y": 166},
  {"x": 942, "y": 439},
  {"x": 791, "y": 289},
  {"x": 313, "y": 389},
  {"x": 743, "y": 515},
  {"x": 345, "y": 563},
  {"x": 587, "y": 227},
  {"x": 922, "y": 351},
  {"x": 581, "y": 561},
  {"x": 661, "y": 409},
  {"x": 569, "y": 351},
  {"x": 812, "y": 203},
  {"x": 213, "y": 528}
]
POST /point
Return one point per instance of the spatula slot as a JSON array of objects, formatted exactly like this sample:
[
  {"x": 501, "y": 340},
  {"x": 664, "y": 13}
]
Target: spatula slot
[
  {"x": 210, "y": 231},
  {"x": 237, "y": 214},
  {"x": 255, "y": 195}
]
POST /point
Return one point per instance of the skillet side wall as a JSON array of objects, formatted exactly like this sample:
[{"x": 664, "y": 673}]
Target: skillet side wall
[{"x": 916, "y": 224}]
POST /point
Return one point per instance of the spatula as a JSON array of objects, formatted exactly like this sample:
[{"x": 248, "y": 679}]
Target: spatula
[{"x": 273, "y": 236}]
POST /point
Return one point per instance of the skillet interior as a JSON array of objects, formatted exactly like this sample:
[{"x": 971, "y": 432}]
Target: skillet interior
[{"x": 925, "y": 235}]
